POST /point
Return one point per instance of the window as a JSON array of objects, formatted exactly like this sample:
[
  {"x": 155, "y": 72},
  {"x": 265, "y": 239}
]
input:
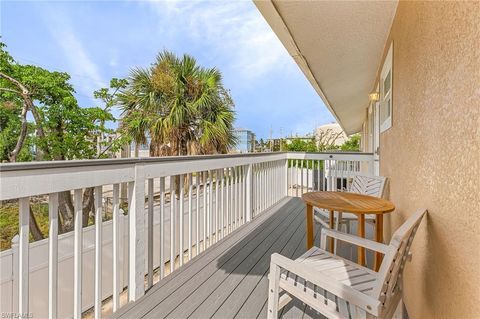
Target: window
[{"x": 386, "y": 88}]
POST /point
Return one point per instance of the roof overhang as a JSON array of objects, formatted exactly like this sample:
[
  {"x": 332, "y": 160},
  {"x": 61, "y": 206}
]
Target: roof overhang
[{"x": 338, "y": 45}]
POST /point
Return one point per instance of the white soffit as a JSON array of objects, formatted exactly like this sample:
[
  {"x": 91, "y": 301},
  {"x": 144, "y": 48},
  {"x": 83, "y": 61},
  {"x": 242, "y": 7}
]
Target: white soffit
[{"x": 338, "y": 46}]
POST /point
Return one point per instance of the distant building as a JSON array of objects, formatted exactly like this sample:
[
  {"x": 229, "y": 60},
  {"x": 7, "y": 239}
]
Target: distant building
[{"x": 245, "y": 141}]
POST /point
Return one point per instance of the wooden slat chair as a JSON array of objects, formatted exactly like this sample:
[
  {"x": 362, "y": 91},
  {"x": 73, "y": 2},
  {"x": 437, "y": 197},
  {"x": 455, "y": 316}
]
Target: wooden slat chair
[
  {"x": 339, "y": 288},
  {"x": 361, "y": 184}
]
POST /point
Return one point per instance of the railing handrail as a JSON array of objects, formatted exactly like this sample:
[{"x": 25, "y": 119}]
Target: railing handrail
[
  {"x": 120, "y": 161},
  {"x": 7, "y": 167}
]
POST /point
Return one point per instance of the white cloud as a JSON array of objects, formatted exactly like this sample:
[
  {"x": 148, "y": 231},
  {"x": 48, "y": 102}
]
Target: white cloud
[
  {"x": 235, "y": 30},
  {"x": 84, "y": 71}
]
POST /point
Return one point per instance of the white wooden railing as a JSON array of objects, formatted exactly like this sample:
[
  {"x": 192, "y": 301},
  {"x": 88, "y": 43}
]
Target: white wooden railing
[{"x": 177, "y": 208}]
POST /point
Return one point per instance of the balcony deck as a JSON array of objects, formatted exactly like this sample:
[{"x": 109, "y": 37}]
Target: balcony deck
[{"x": 230, "y": 280}]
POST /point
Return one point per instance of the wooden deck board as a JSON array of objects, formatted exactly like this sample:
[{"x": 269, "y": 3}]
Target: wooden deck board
[
  {"x": 229, "y": 280},
  {"x": 250, "y": 271},
  {"x": 197, "y": 291},
  {"x": 171, "y": 283}
]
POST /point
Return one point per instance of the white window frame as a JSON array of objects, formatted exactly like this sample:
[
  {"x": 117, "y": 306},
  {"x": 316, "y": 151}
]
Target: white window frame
[{"x": 386, "y": 100}]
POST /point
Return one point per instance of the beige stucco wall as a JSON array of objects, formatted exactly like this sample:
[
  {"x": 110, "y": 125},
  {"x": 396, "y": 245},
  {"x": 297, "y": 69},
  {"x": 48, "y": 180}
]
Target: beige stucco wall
[{"x": 432, "y": 153}]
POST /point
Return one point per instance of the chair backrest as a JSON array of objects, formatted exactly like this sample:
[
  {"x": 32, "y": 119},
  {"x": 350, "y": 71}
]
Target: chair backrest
[
  {"x": 368, "y": 185},
  {"x": 391, "y": 271}
]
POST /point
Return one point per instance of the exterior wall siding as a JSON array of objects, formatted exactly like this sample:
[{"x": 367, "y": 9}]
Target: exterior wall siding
[{"x": 432, "y": 153}]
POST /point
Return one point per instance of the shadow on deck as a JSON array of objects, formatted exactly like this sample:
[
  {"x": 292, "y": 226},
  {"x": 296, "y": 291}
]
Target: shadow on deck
[{"x": 230, "y": 280}]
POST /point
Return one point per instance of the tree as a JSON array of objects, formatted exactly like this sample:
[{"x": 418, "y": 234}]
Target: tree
[
  {"x": 10, "y": 127},
  {"x": 299, "y": 145},
  {"x": 63, "y": 129},
  {"x": 352, "y": 144},
  {"x": 181, "y": 106},
  {"x": 327, "y": 139}
]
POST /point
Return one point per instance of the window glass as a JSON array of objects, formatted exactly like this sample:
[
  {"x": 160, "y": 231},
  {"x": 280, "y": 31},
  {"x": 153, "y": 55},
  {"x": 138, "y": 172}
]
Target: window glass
[{"x": 387, "y": 82}]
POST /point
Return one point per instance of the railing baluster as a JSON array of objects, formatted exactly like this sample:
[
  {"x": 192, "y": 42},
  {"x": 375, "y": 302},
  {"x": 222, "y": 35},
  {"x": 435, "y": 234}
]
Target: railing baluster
[
  {"x": 216, "y": 205},
  {"x": 210, "y": 208},
  {"x": 77, "y": 253},
  {"x": 180, "y": 216},
  {"x": 116, "y": 246},
  {"x": 240, "y": 196},
  {"x": 267, "y": 185},
  {"x": 242, "y": 192},
  {"x": 204, "y": 180},
  {"x": 23, "y": 262},
  {"x": 162, "y": 227},
  {"x": 254, "y": 189},
  {"x": 260, "y": 187},
  {"x": 278, "y": 180},
  {"x": 235, "y": 196},
  {"x": 197, "y": 213},
  {"x": 296, "y": 178},
  {"x": 271, "y": 186},
  {"x": 229, "y": 200},
  {"x": 172, "y": 223},
  {"x": 98, "y": 252},
  {"x": 264, "y": 188},
  {"x": 190, "y": 189},
  {"x": 150, "y": 234},
  {"x": 243, "y": 186},
  {"x": 319, "y": 180},
  {"x": 222, "y": 204},
  {"x": 52, "y": 254}
]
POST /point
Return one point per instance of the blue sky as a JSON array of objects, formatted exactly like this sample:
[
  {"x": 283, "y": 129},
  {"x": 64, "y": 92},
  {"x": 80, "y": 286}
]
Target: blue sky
[{"x": 96, "y": 40}]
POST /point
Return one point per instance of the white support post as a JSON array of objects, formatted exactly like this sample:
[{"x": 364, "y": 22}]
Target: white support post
[
  {"x": 23, "y": 263},
  {"x": 136, "y": 248},
  {"x": 52, "y": 254}
]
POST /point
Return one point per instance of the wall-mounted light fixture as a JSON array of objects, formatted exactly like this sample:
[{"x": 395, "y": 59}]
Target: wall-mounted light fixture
[{"x": 374, "y": 96}]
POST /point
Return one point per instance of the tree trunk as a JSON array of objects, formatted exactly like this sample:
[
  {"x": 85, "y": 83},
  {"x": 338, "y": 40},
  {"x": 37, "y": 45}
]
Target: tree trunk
[
  {"x": 66, "y": 210},
  {"x": 34, "y": 229},
  {"x": 87, "y": 205},
  {"x": 23, "y": 134}
]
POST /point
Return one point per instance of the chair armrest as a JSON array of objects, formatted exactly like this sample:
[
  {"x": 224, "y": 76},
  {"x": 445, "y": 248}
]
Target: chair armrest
[
  {"x": 358, "y": 241},
  {"x": 337, "y": 288}
]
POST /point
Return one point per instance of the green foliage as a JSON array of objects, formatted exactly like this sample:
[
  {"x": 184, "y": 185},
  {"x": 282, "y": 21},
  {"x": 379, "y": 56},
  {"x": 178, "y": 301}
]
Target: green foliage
[
  {"x": 70, "y": 130},
  {"x": 352, "y": 144},
  {"x": 9, "y": 132},
  {"x": 9, "y": 221},
  {"x": 298, "y": 145},
  {"x": 182, "y": 106}
]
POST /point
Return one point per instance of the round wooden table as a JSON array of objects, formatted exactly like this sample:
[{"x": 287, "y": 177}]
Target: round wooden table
[{"x": 345, "y": 202}]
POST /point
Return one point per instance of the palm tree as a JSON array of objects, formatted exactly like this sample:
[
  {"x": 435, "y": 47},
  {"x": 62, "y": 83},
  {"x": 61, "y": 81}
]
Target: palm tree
[{"x": 183, "y": 107}]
